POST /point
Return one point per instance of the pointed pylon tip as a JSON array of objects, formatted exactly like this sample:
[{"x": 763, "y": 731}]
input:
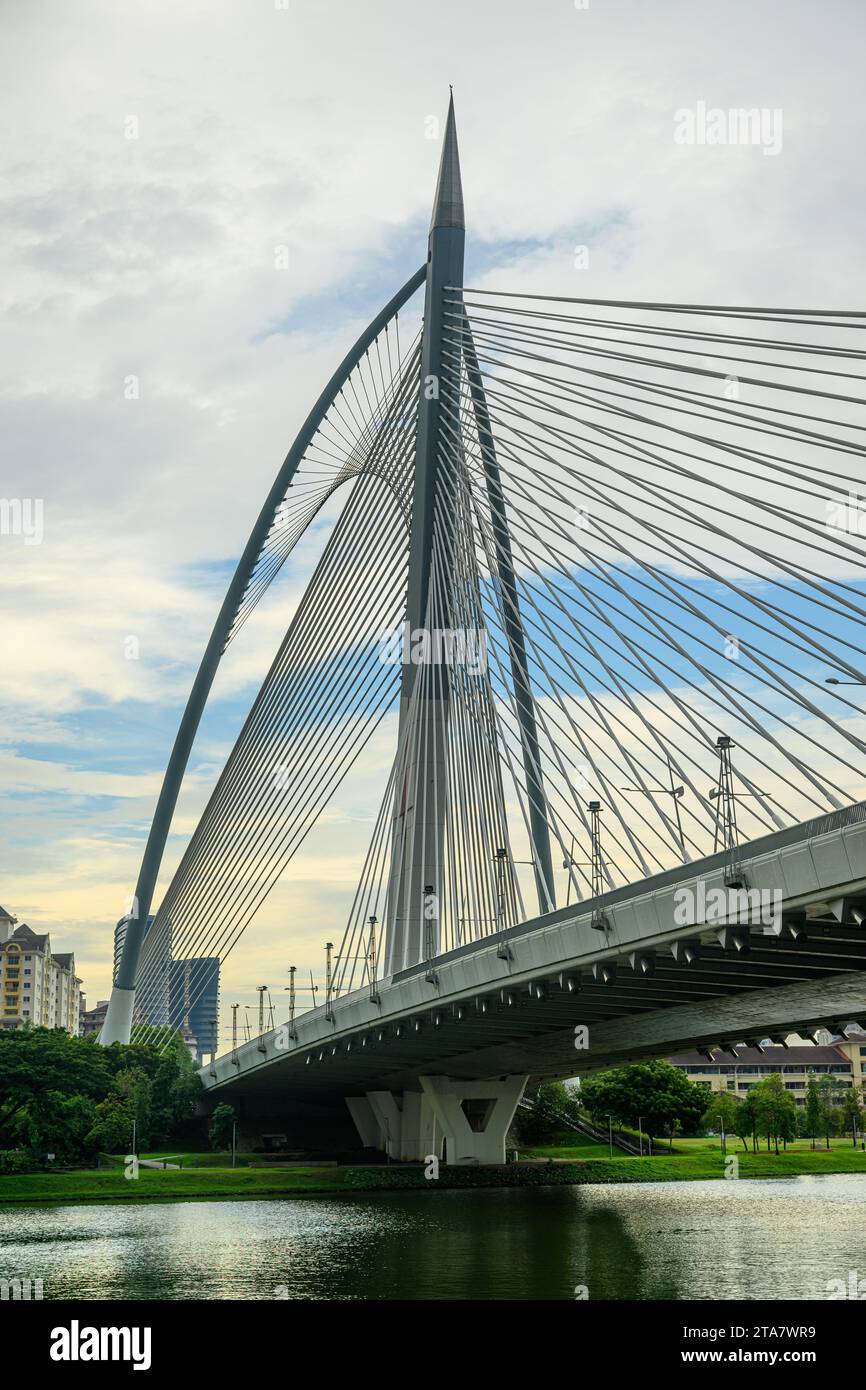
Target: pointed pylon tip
[{"x": 448, "y": 203}]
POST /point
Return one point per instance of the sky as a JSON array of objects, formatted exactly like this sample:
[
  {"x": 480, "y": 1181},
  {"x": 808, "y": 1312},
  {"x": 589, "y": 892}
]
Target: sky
[{"x": 157, "y": 354}]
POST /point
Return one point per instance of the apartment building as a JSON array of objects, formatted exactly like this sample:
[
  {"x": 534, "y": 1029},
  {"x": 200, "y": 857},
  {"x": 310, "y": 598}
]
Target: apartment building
[
  {"x": 93, "y": 1019},
  {"x": 843, "y": 1058},
  {"x": 36, "y": 985}
]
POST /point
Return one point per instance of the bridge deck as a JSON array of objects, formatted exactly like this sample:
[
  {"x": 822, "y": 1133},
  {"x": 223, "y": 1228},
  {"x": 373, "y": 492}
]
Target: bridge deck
[{"x": 510, "y": 1003}]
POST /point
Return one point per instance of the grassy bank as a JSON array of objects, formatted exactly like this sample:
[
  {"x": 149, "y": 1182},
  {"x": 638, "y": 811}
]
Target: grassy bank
[
  {"x": 153, "y": 1185},
  {"x": 560, "y": 1165},
  {"x": 709, "y": 1163}
]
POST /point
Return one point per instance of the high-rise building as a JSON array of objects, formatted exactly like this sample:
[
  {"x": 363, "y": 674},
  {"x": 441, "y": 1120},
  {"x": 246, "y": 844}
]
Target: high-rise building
[
  {"x": 194, "y": 1001},
  {"x": 152, "y": 993},
  {"x": 179, "y": 994},
  {"x": 36, "y": 985}
]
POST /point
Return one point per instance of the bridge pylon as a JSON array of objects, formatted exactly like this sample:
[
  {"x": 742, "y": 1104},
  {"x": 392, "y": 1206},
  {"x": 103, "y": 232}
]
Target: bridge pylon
[
  {"x": 418, "y": 841},
  {"x": 421, "y": 798}
]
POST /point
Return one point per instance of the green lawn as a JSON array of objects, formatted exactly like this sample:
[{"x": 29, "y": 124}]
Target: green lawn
[
  {"x": 735, "y": 1145},
  {"x": 203, "y": 1159},
  {"x": 583, "y": 1149},
  {"x": 110, "y": 1185},
  {"x": 704, "y": 1162}
]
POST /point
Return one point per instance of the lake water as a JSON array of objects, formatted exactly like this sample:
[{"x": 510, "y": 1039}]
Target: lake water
[{"x": 686, "y": 1240}]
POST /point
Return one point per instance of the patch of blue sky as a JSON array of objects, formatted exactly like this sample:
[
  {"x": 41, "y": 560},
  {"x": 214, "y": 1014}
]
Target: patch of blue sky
[
  {"x": 359, "y": 296},
  {"x": 362, "y": 294}
]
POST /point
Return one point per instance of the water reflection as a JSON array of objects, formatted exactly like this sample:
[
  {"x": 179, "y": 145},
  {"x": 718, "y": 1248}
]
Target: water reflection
[{"x": 694, "y": 1240}]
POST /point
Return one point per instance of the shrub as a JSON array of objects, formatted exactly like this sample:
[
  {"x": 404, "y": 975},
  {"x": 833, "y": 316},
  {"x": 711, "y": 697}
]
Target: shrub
[{"x": 16, "y": 1161}]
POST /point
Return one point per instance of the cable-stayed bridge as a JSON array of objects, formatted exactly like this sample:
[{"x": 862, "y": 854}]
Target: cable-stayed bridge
[{"x": 596, "y": 580}]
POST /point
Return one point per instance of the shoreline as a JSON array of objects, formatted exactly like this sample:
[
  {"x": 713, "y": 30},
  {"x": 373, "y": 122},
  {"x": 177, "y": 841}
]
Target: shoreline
[{"x": 100, "y": 1186}]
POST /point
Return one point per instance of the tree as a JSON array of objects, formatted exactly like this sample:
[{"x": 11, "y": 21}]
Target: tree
[
  {"x": 656, "y": 1093},
  {"x": 851, "y": 1112},
  {"x": 550, "y": 1112},
  {"x": 63, "y": 1124},
  {"x": 721, "y": 1113},
  {"x": 111, "y": 1131},
  {"x": 71, "y": 1097},
  {"x": 36, "y": 1061},
  {"x": 222, "y": 1123},
  {"x": 164, "y": 1058},
  {"x": 56, "y": 1124},
  {"x": 830, "y": 1096},
  {"x": 790, "y": 1122},
  {"x": 125, "y": 1112},
  {"x": 747, "y": 1120},
  {"x": 134, "y": 1087},
  {"x": 814, "y": 1115},
  {"x": 176, "y": 1090},
  {"x": 775, "y": 1110}
]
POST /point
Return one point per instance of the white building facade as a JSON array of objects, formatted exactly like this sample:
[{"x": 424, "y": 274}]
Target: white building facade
[{"x": 36, "y": 985}]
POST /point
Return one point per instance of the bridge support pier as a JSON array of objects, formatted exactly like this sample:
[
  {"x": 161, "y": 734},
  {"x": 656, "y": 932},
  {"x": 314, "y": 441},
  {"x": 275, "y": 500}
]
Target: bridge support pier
[
  {"x": 471, "y": 1116},
  {"x": 474, "y": 1115},
  {"x": 365, "y": 1121},
  {"x": 406, "y": 1130}
]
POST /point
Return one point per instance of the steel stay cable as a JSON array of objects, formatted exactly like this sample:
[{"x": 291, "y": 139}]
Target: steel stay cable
[
  {"x": 598, "y": 716},
  {"x": 305, "y": 631},
  {"x": 575, "y": 676},
  {"x": 563, "y": 342},
  {"x": 696, "y": 564},
  {"x": 641, "y": 608},
  {"x": 405, "y": 387},
  {"x": 770, "y": 608},
  {"x": 723, "y": 310},
  {"x": 204, "y": 819},
  {"x": 772, "y": 462},
  {"x": 692, "y": 659},
  {"x": 703, "y": 480},
  {"x": 542, "y": 715},
  {"x": 552, "y": 320},
  {"x": 619, "y": 615},
  {"x": 780, "y": 429}
]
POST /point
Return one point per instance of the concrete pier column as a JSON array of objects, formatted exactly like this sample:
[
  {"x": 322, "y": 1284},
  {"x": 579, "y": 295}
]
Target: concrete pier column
[
  {"x": 474, "y": 1115},
  {"x": 403, "y": 1127},
  {"x": 365, "y": 1122},
  {"x": 388, "y": 1117},
  {"x": 421, "y": 1132}
]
